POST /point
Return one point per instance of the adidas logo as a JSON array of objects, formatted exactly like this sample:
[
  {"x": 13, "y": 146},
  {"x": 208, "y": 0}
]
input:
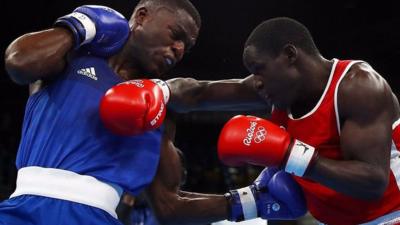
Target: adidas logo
[{"x": 89, "y": 72}]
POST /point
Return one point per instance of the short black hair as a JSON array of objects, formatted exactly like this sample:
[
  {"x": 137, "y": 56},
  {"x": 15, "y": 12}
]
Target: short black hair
[
  {"x": 175, "y": 4},
  {"x": 273, "y": 34}
]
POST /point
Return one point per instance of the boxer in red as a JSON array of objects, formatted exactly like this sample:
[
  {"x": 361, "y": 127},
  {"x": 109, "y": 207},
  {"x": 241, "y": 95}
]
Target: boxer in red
[{"x": 340, "y": 121}]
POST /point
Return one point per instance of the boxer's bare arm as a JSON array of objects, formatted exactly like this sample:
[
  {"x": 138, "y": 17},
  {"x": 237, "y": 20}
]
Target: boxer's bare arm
[
  {"x": 38, "y": 55},
  {"x": 366, "y": 109},
  {"x": 194, "y": 194},
  {"x": 189, "y": 94},
  {"x": 173, "y": 206}
]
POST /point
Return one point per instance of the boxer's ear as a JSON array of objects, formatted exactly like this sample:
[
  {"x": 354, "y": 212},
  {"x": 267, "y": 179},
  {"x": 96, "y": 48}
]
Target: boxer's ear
[
  {"x": 140, "y": 15},
  {"x": 290, "y": 53}
]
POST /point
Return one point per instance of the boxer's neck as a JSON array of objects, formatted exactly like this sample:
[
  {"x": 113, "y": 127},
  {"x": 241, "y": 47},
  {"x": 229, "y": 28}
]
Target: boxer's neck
[
  {"x": 124, "y": 66},
  {"x": 315, "y": 72}
]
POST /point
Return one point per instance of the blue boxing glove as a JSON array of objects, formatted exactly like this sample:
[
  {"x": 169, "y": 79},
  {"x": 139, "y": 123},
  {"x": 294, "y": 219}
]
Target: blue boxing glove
[
  {"x": 101, "y": 30},
  {"x": 273, "y": 195}
]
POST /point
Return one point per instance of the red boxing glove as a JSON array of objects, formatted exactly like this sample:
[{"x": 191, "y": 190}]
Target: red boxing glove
[
  {"x": 248, "y": 139},
  {"x": 135, "y": 106}
]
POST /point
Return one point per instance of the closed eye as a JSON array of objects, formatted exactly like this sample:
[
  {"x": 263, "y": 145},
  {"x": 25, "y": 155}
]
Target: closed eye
[{"x": 178, "y": 34}]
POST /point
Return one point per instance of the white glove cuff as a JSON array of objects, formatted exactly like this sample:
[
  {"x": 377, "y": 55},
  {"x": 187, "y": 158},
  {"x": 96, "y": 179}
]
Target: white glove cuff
[
  {"x": 248, "y": 203},
  {"x": 299, "y": 158},
  {"x": 164, "y": 87},
  {"x": 88, "y": 25}
]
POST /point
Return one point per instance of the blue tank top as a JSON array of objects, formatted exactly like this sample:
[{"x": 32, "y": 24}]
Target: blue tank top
[{"x": 62, "y": 129}]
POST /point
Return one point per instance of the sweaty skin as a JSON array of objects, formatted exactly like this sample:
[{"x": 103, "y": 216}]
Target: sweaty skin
[
  {"x": 367, "y": 109},
  {"x": 25, "y": 56},
  {"x": 42, "y": 55},
  {"x": 188, "y": 94},
  {"x": 172, "y": 205},
  {"x": 37, "y": 58}
]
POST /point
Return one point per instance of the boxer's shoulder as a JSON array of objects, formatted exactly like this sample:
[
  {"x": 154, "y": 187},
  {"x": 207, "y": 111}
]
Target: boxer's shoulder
[
  {"x": 363, "y": 90},
  {"x": 361, "y": 72}
]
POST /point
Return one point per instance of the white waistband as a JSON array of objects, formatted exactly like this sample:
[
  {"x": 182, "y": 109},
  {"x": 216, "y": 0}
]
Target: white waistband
[
  {"x": 67, "y": 185},
  {"x": 392, "y": 218},
  {"x": 388, "y": 219}
]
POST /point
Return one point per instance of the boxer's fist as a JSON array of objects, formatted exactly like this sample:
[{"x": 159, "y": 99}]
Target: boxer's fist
[
  {"x": 135, "y": 106},
  {"x": 248, "y": 139},
  {"x": 101, "y": 30},
  {"x": 273, "y": 195}
]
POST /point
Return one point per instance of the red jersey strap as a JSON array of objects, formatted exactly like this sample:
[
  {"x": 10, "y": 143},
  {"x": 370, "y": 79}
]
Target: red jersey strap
[
  {"x": 339, "y": 70},
  {"x": 396, "y": 133},
  {"x": 342, "y": 68},
  {"x": 281, "y": 117}
]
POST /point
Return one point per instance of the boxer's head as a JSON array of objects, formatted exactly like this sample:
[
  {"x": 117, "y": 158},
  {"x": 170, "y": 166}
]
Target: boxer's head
[
  {"x": 272, "y": 53},
  {"x": 161, "y": 32}
]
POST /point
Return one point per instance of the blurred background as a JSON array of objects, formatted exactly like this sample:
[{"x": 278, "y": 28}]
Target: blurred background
[{"x": 353, "y": 29}]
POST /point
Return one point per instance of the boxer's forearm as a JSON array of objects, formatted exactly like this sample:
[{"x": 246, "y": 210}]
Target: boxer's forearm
[
  {"x": 195, "y": 194},
  {"x": 188, "y": 94},
  {"x": 38, "y": 55},
  {"x": 193, "y": 209},
  {"x": 353, "y": 178}
]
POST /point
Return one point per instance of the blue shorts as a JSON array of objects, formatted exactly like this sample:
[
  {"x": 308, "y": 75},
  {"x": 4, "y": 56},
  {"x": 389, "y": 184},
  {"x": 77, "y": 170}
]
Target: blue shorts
[{"x": 38, "y": 210}]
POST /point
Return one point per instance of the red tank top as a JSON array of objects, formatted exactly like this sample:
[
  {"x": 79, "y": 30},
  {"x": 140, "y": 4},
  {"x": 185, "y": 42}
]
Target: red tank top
[{"x": 321, "y": 129}]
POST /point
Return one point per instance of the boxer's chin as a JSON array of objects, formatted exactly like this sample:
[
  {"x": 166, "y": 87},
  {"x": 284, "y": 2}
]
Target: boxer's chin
[
  {"x": 152, "y": 70},
  {"x": 158, "y": 73},
  {"x": 281, "y": 105}
]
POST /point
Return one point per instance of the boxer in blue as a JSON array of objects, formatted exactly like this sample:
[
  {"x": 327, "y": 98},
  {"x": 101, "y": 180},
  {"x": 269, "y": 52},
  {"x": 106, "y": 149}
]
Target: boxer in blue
[{"x": 71, "y": 168}]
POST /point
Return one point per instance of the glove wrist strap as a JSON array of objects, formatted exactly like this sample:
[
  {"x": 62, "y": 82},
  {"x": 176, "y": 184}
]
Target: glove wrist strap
[
  {"x": 299, "y": 159},
  {"x": 88, "y": 25},
  {"x": 243, "y": 204},
  {"x": 83, "y": 28},
  {"x": 164, "y": 87}
]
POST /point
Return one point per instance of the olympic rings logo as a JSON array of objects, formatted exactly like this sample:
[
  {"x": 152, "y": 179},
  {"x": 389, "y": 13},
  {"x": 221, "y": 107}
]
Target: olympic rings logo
[{"x": 260, "y": 135}]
